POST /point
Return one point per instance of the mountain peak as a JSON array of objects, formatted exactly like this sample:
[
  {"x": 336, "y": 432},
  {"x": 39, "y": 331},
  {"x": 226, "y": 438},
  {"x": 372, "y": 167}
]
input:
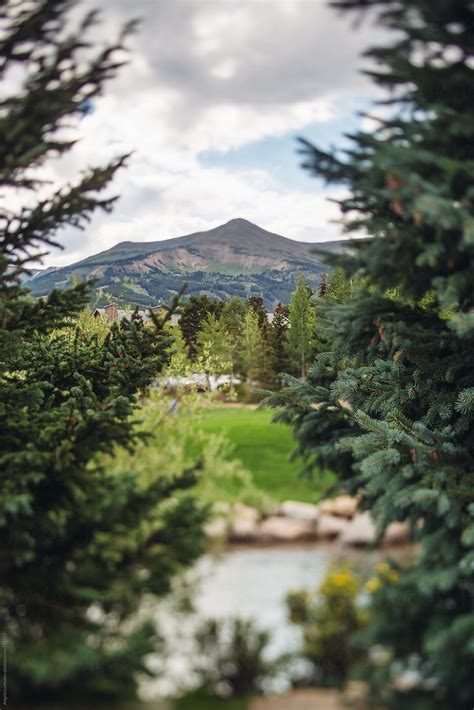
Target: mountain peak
[
  {"x": 239, "y": 222},
  {"x": 237, "y": 258}
]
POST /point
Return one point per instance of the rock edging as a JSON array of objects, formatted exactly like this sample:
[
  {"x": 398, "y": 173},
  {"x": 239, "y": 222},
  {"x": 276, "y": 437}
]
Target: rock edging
[{"x": 337, "y": 519}]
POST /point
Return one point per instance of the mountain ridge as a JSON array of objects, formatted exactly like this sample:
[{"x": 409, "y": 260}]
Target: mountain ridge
[{"x": 237, "y": 258}]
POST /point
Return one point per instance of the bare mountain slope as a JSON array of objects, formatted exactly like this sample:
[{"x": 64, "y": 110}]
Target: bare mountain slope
[{"x": 234, "y": 259}]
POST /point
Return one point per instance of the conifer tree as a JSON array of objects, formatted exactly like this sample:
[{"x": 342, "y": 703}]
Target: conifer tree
[
  {"x": 279, "y": 337},
  {"x": 78, "y": 547},
  {"x": 257, "y": 305},
  {"x": 338, "y": 288},
  {"x": 391, "y": 407},
  {"x": 263, "y": 369},
  {"x": 194, "y": 312},
  {"x": 301, "y": 331},
  {"x": 233, "y": 317}
]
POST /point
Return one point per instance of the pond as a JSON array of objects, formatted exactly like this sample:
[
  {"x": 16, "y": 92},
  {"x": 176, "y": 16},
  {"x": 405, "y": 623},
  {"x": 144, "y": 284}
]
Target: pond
[{"x": 249, "y": 583}]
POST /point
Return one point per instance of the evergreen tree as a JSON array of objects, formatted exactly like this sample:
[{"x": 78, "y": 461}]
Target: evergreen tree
[
  {"x": 322, "y": 288},
  {"x": 233, "y": 314},
  {"x": 390, "y": 407},
  {"x": 302, "y": 323},
  {"x": 338, "y": 288},
  {"x": 279, "y": 338},
  {"x": 233, "y": 317},
  {"x": 78, "y": 547},
  {"x": 334, "y": 287},
  {"x": 263, "y": 369},
  {"x": 257, "y": 305},
  {"x": 194, "y": 312}
]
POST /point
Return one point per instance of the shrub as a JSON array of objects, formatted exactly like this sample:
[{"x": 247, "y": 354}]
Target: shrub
[
  {"x": 329, "y": 618},
  {"x": 233, "y": 662}
]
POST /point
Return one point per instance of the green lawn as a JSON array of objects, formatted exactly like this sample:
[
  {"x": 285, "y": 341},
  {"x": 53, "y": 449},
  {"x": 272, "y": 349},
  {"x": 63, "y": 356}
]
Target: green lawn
[{"x": 264, "y": 448}]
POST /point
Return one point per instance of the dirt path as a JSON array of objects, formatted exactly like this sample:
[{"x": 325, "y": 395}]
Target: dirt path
[
  {"x": 301, "y": 700},
  {"x": 312, "y": 699}
]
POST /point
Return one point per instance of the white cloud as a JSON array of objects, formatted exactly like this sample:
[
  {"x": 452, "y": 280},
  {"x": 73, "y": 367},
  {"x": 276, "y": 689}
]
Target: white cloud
[{"x": 213, "y": 75}]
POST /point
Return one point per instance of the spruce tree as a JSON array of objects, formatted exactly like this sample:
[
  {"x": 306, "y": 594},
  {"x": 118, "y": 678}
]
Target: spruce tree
[
  {"x": 78, "y": 547},
  {"x": 391, "y": 406},
  {"x": 337, "y": 288}
]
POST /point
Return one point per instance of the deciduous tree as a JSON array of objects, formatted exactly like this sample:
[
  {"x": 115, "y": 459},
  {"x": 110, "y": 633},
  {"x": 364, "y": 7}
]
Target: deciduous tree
[
  {"x": 194, "y": 312},
  {"x": 302, "y": 323}
]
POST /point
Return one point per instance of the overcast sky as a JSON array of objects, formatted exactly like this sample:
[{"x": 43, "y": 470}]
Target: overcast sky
[{"x": 211, "y": 104}]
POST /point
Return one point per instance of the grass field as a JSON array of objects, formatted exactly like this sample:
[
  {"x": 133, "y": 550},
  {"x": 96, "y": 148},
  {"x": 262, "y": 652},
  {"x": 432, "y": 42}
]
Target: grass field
[{"x": 264, "y": 448}]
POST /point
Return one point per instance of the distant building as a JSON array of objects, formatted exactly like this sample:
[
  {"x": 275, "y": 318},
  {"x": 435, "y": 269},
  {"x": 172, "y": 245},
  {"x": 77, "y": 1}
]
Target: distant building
[{"x": 113, "y": 313}]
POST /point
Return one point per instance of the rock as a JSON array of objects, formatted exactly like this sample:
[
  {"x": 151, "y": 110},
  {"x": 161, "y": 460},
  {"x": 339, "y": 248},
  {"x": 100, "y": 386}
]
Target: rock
[
  {"x": 330, "y": 526},
  {"x": 397, "y": 534},
  {"x": 278, "y": 529},
  {"x": 341, "y": 506},
  {"x": 299, "y": 511},
  {"x": 360, "y": 531},
  {"x": 243, "y": 531},
  {"x": 244, "y": 524},
  {"x": 244, "y": 512},
  {"x": 216, "y": 529}
]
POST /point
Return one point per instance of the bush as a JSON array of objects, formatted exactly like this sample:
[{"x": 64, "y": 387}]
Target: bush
[
  {"x": 233, "y": 662},
  {"x": 329, "y": 618}
]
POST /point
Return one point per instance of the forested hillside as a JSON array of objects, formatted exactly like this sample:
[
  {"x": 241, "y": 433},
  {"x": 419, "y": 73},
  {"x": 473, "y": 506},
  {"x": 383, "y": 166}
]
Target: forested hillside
[{"x": 235, "y": 259}]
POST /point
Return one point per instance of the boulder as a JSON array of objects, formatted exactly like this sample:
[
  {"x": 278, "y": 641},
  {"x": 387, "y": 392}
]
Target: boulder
[
  {"x": 244, "y": 524},
  {"x": 397, "y": 534},
  {"x": 216, "y": 529},
  {"x": 299, "y": 511},
  {"x": 243, "y": 531},
  {"x": 279, "y": 529},
  {"x": 360, "y": 531},
  {"x": 341, "y": 506},
  {"x": 244, "y": 512},
  {"x": 330, "y": 526}
]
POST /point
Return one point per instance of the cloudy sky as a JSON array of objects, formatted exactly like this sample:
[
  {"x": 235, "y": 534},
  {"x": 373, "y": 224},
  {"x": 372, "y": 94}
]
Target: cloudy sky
[{"x": 211, "y": 103}]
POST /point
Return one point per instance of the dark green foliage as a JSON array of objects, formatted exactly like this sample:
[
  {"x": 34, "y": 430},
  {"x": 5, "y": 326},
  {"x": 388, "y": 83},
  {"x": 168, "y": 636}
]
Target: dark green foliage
[
  {"x": 389, "y": 406},
  {"x": 202, "y": 700},
  {"x": 257, "y": 305},
  {"x": 78, "y": 546},
  {"x": 232, "y": 657},
  {"x": 194, "y": 313},
  {"x": 233, "y": 317},
  {"x": 334, "y": 287},
  {"x": 264, "y": 368},
  {"x": 279, "y": 338}
]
